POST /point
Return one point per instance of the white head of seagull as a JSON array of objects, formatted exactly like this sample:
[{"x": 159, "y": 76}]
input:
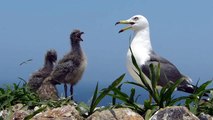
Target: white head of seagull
[
  {"x": 136, "y": 23},
  {"x": 144, "y": 55},
  {"x": 141, "y": 39}
]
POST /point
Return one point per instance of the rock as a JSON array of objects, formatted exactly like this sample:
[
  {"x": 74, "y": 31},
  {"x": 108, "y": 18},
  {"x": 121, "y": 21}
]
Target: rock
[
  {"x": 20, "y": 114},
  {"x": 16, "y": 115},
  {"x": 174, "y": 113},
  {"x": 62, "y": 113},
  {"x": 115, "y": 114},
  {"x": 17, "y": 107},
  {"x": 5, "y": 113},
  {"x": 203, "y": 116}
]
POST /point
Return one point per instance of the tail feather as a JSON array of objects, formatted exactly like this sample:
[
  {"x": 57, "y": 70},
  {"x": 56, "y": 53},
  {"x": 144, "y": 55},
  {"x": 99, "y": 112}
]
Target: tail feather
[{"x": 187, "y": 87}]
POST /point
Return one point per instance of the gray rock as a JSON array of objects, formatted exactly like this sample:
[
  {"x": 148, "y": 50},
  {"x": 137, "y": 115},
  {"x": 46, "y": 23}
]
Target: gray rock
[
  {"x": 115, "y": 114},
  {"x": 174, "y": 113},
  {"x": 20, "y": 114},
  {"x": 203, "y": 116},
  {"x": 62, "y": 113}
]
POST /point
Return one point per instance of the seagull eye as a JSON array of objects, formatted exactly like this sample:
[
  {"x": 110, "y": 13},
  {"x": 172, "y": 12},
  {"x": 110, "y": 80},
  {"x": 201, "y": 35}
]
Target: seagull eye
[{"x": 135, "y": 18}]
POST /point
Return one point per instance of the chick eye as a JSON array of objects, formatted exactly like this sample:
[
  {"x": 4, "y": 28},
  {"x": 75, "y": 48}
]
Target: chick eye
[{"x": 135, "y": 18}]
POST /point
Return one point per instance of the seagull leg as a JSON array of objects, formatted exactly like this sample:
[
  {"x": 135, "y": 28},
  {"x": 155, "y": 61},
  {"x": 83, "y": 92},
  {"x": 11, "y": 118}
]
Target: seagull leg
[
  {"x": 65, "y": 90},
  {"x": 71, "y": 91}
]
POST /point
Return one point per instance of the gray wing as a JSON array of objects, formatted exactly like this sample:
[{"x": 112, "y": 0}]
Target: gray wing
[
  {"x": 168, "y": 71},
  {"x": 61, "y": 70}
]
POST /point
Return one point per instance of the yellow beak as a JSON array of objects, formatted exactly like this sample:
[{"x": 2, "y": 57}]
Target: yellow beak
[{"x": 124, "y": 22}]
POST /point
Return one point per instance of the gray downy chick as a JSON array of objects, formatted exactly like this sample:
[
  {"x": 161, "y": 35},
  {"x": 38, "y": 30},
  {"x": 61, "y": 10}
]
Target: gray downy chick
[
  {"x": 70, "y": 68},
  {"x": 38, "y": 77}
]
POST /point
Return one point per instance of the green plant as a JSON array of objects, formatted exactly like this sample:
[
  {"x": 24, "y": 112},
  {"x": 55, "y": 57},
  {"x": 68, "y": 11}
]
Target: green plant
[
  {"x": 161, "y": 97},
  {"x": 196, "y": 103},
  {"x": 206, "y": 106},
  {"x": 16, "y": 93},
  {"x": 34, "y": 113},
  {"x": 130, "y": 101},
  {"x": 97, "y": 97}
]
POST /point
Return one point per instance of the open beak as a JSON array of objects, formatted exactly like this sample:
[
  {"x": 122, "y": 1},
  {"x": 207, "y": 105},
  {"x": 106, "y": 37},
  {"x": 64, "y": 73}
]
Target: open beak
[
  {"x": 125, "y": 22},
  {"x": 80, "y": 35}
]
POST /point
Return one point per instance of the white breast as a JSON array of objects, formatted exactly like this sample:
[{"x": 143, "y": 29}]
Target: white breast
[
  {"x": 141, "y": 57},
  {"x": 141, "y": 48}
]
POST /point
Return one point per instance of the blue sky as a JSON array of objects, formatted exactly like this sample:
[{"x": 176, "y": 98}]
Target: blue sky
[{"x": 181, "y": 31}]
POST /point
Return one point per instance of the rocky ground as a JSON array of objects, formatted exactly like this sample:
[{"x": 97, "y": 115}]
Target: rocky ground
[{"x": 69, "y": 112}]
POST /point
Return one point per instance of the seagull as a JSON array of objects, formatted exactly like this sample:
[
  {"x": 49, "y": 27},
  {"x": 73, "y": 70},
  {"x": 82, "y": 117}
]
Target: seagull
[
  {"x": 38, "y": 77},
  {"x": 71, "y": 67},
  {"x": 144, "y": 55}
]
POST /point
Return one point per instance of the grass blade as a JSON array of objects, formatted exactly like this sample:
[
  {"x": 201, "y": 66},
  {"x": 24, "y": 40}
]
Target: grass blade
[
  {"x": 202, "y": 87},
  {"x": 132, "y": 95},
  {"x": 105, "y": 92},
  {"x": 34, "y": 113},
  {"x": 137, "y": 84},
  {"x": 114, "y": 99},
  {"x": 139, "y": 72}
]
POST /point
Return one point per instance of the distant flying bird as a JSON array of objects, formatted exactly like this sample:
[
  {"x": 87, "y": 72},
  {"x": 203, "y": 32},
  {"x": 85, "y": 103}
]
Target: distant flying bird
[
  {"x": 144, "y": 55},
  {"x": 25, "y": 62},
  {"x": 38, "y": 77},
  {"x": 71, "y": 67}
]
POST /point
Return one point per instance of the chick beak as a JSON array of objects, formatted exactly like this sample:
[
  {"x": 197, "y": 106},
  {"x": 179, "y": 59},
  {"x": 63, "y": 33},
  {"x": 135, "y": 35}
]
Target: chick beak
[{"x": 80, "y": 35}]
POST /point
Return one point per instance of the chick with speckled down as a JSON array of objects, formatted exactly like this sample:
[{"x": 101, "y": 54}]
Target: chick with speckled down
[
  {"x": 38, "y": 77},
  {"x": 70, "y": 68}
]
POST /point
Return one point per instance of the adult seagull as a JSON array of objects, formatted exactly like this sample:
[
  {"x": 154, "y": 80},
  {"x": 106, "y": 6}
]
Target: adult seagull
[{"x": 144, "y": 55}]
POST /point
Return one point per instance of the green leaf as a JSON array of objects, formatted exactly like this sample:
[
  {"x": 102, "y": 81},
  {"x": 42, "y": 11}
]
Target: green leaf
[
  {"x": 34, "y": 113},
  {"x": 132, "y": 95},
  {"x": 16, "y": 86},
  {"x": 163, "y": 90},
  {"x": 202, "y": 87},
  {"x": 173, "y": 101},
  {"x": 137, "y": 84},
  {"x": 22, "y": 79},
  {"x": 94, "y": 97},
  {"x": 172, "y": 88},
  {"x": 139, "y": 72},
  {"x": 120, "y": 97},
  {"x": 148, "y": 114},
  {"x": 147, "y": 104},
  {"x": 2, "y": 91},
  {"x": 152, "y": 76},
  {"x": 1, "y": 118},
  {"x": 114, "y": 99},
  {"x": 117, "y": 91},
  {"x": 136, "y": 99},
  {"x": 83, "y": 108},
  {"x": 105, "y": 92}
]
